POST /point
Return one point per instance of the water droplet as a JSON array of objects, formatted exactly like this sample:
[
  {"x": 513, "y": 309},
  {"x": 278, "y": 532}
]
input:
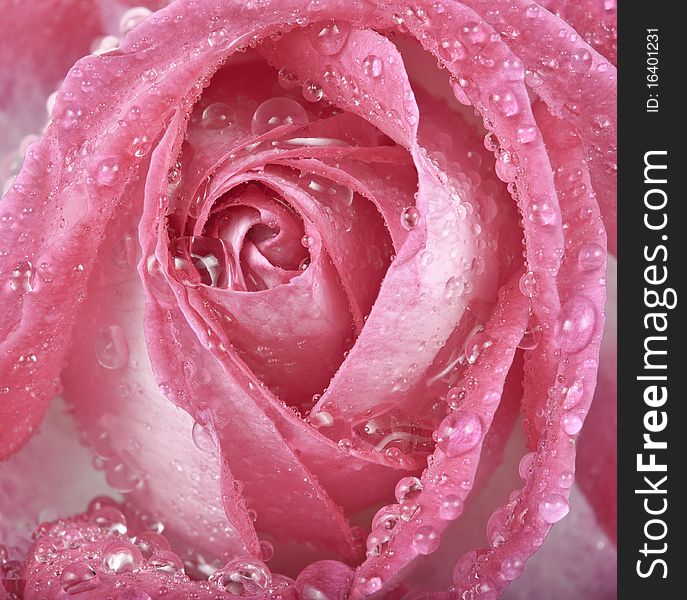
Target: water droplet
[
  {"x": 111, "y": 347},
  {"x": 513, "y": 69},
  {"x": 407, "y": 490},
  {"x": 580, "y": 60},
  {"x": 21, "y": 277},
  {"x": 527, "y": 134},
  {"x": 473, "y": 33},
  {"x": 266, "y": 550},
  {"x": 329, "y": 38},
  {"x": 532, "y": 11},
  {"x": 110, "y": 519},
  {"x": 370, "y": 585},
  {"x": 242, "y": 577},
  {"x": 78, "y": 577},
  {"x": 459, "y": 433},
  {"x": 166, "y": 561},
  {"x": 287, "y": 78},
  {"x": 553, "y": 508},
  {"x": 203, "y": 438},
  {"x": 573, "y": 395},
  {"x": 217, "y": 116},
  {"x": 591, "y": 257},
  {"x": 451, "y": 507},
  {"x": 43, "y": 550},
  {"x": 387, "y": 517},
  {"x": 307, "y": 241},
  {"x": 531, "y": 338},
  {"x": 218, "y": 38},
  {"x": 410, "y": 217},
  {"x": 512, "y": 567},
  {"x": 124, "y": 253},
  {"x": 378, "y": 542},
  {"x": 567, "y": 479},
  {"x": 506, "y": 103},
  {"x": 525, "y": 465},
  {"x": 571, "y": 424},
  {"x": 576, "y": 323},
  {"x": 426, "y": 539},
  {"x": 541, "y": 212},
  {"x": 133, "y": 17},
  {"x": 121, "y": 557},
  {"x": 149, "y": 76},
  {"x": 107, "y": 172},
  {"x": 140, "y": 146},
  {"x": 373, "y": 66},
  {"x": 321, "y": 419},
  {"x": 276, "y": 112},
  {"x": 528, "y": 284},
  {"x": 312, "y": 91}
]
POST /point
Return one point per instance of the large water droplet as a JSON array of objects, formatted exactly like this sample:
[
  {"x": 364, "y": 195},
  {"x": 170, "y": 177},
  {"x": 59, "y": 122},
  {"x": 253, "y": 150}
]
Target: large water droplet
[
  {"x": 218, "y": 38},
  {"x": 407, "y": 490},
  {"x": 512, "y": 567},
  {"x": 506, "y": 103},
  {"x": 528, "y": 284},
  {"x": 21, "y": 277},
  {"x": 217, "y": 116},
  {"x": 133, "y": 17},
  {"x": 111, "y": 347},
  {"x": 242, "y": 577},
  {"x": 78, "y": 577},
  {"x": 459, "y": 433},
  {"x": 107, "y": 172},
  {"x": 576, "y": 323},
  {"x": 329, "y": 38},
  {"x": 571, "y": 423},
  {"x": 410, "y": 217},
  {"x": 451, "y": 507},
  {"x": 387, "y": 517},
  {"x": 553, "y": 508},
  {"x": 276, "y": 112},
  {"x": 541, "y": 212},
  {"x": 312, "y": 91},
  {"x": 426, "y": 539},
  {"x": 591, "y": 257},
  {"x": 373, "y": 66},
  {"x": 203, "y": 438},
  {"x": 122, "y": 557},
  {"x": 573, "y": 395}
]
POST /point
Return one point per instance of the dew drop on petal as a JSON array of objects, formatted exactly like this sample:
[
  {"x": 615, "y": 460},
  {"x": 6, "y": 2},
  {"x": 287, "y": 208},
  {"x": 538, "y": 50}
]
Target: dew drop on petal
[
  {"x": 78, "y": 577},
  {"x": 573, "y": 395},
  {"x": 107, "y": 172},
  {"x": 329, "y": 38},
  {"x": 571, "y": 423},
  {"x": 513, "y": 69},
  {"x": 451, "y": 507},
  {"x": 512, "y": 567},
  {"x": 218, "y": 38},
  {"x": 242, "y": 577},
  {"x": 426, "y": 539},
  {"x": 133, "y": 17},
  {"x": 526, "y": 134},
  {"x": 576, "y": 323},
  {"x": 506, "y": 103},
  {"x": 111, "y": 347},
  {"x": 121, "y": 557},
  {"x": 567, "y": 479},
  {"x": 591, "y": 257},
  {"x": 528, "y": 284},
  {"x": 525, "y": 466},
  {"x": 312, "y": 91},
  {"x": 459, "y": 432},
  {"x": 410, "y": 217},
  {"x": 276, "y": 112},
  {"x": 21, "y": 277},
  {"x": 407, "y": 490},
  {"x": 373, "y": 66},
  {"x": 203, "y": 438},
  {"x": 541, "y": 212},
  {"x": 287, "y": 79},
  {"x": 553, "y": 508},
  {"x": 217, "y": 116}
]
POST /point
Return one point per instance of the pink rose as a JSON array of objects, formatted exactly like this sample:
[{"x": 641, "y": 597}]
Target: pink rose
[{"x": 297, "y": 313}]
